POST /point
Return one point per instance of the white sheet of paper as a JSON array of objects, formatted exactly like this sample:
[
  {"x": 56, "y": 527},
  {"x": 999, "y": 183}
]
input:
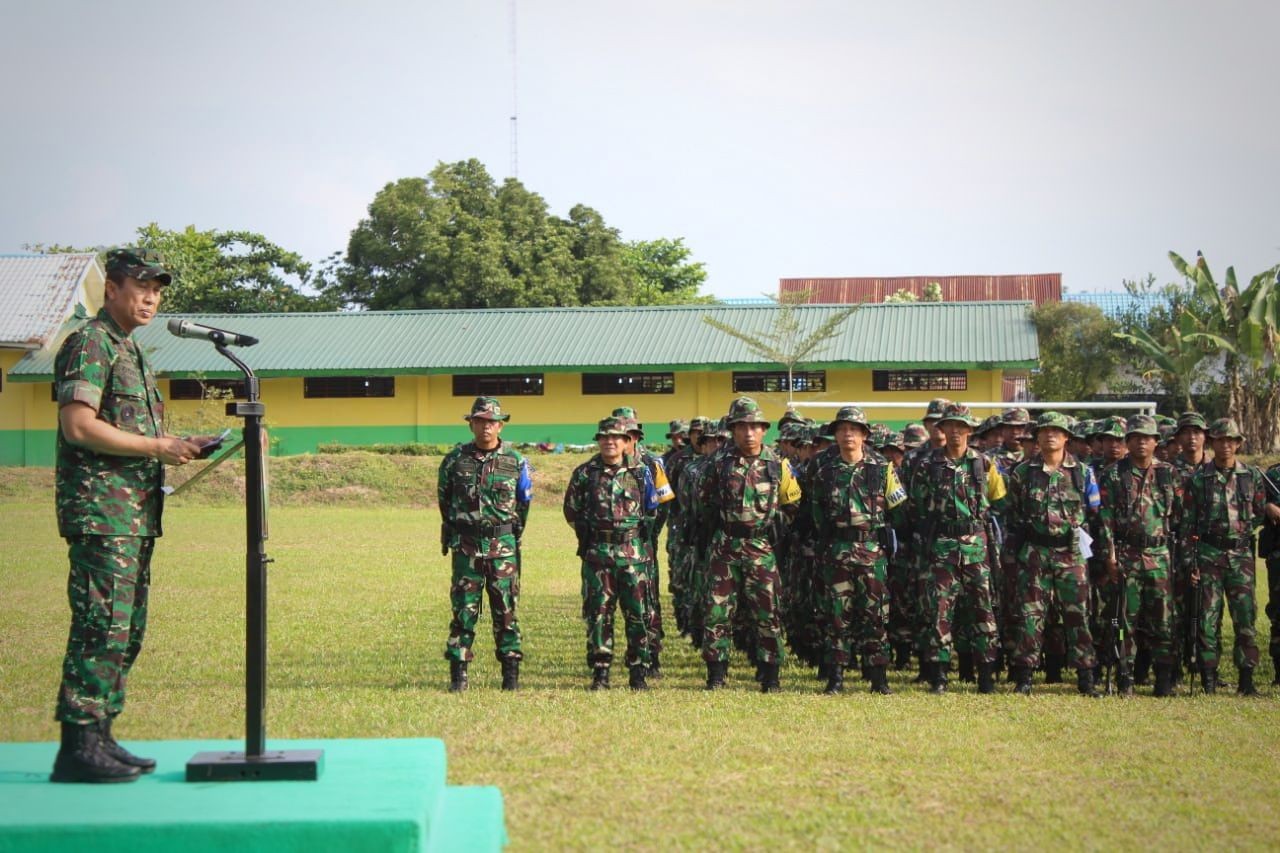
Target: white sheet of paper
[{"x": 1083, "y": 542}]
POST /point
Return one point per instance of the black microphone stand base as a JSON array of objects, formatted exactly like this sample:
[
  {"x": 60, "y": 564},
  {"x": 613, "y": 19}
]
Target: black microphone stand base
[{"x": 293, "y": 765}]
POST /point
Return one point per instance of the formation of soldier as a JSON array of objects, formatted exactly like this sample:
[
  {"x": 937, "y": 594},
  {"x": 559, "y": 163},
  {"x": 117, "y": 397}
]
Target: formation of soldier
[{"x": 1108, "y": 547}]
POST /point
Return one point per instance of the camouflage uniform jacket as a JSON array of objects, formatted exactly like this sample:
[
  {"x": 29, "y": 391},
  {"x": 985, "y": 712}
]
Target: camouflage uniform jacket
[
  {"x": 676, "y": 465},
  {"x": 484, "y": 498},
  {"x": 1045, "y": 507},
  {"x": 1139, "y": 507},
  {"x": 1005, "y": 459},
  {"x": 848, "y": 500},
  {"x": 607, "y": 505},
  {"x": 743, "y": 495},
  {"x": 100, "y": 493},
  {"x": 949, "y": 502},
  {"x": 1223, "y": 507}
]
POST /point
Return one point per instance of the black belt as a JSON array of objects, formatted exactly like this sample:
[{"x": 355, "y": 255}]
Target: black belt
[
  {"x": 852, "y": 534},
  {"x": 1044, "y": 540},
  {"x": 1228, "y": 543},
  {"x": 615, "y": 536},
  {"x": 748, "y": 531},
  {"x": 956, "y": 529},
  {"x": 1142, "y": 540},
  {"x": 485, "y": 530}
]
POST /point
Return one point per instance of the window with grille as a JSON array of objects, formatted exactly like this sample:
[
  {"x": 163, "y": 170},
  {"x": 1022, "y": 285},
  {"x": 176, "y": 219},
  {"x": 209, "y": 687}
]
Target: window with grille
[
  {"x": 348, "y": 386},
  {"x": 497, "y": 385},
  {"x": 919, "y": 380},
  {"x": 628, "y": 383},
  {"x": 198, "y": 389},
  {"x": 766, "y": 381}
]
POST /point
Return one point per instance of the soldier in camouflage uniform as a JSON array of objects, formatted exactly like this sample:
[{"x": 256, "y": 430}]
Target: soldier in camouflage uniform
[
  {"x": 802, "y": 604},
  {"x": 694, "y": 547},
  {"x": 744, "y": 491},
  {"x": 1269, "y": 548},
  {"x": 1224, "y": 503},
  {"x": 484, "y": 490},
  {"x": 1052, "y": 499},
  {"x": 677, "y": 544},
  {"x": 950, "y": 494},
  {"x": 653, "y": 525},
  {"x": 607, "y": 501},
  {"x": 1190, "y": 433},
  {"x": 1140, "y": 519},
  {"x": 850, "y": 494},
  {"x": 111, "y": 453},
  {"x": 921, "y": 439}
]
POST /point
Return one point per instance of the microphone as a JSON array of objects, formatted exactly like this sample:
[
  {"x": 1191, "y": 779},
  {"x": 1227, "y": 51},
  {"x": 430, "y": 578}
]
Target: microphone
[{"x": 187, "y": 329}]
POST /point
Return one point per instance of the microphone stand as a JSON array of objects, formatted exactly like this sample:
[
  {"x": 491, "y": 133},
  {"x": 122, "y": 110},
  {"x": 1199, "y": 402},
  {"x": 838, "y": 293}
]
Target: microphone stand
[{"x": 255, "y": 763}]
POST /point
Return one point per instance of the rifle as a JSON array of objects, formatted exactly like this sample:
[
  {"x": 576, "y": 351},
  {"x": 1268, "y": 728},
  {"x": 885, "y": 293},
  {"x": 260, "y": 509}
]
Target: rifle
[
  {"x": 1115, "y": 642},
  {"x": 446, "y": 532}
]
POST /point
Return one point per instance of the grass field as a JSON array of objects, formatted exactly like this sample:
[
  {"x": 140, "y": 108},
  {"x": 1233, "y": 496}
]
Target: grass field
[{"x": 358, "y": 618}]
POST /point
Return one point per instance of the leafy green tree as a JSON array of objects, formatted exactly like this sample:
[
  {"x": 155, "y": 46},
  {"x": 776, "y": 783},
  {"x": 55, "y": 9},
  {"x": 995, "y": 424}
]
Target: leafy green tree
[
  {"x": 1078, "y": 351},
  {"x": 787, "y": 343},
  {"x": 902, "y": 295},
  {"x": 663, "y": 273}
]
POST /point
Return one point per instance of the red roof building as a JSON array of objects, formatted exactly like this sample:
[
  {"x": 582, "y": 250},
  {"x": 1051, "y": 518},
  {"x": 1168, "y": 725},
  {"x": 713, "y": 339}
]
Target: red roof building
[{"x": 1044, "y": 287}]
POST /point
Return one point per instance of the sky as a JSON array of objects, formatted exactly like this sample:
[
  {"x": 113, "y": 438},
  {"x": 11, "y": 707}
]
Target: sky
[{"x": 778, "y": 139}]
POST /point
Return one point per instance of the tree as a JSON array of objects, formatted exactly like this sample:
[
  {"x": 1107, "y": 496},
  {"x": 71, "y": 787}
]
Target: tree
[
  {"x": 786, "y": 342},
  {"x": 663, "y": 273},
  {"x": 224, "y": 272},
  {"x": 1078, "y": 351},
  {"x": 457, "y": 239},
  {"x": 902, "y": 295}
]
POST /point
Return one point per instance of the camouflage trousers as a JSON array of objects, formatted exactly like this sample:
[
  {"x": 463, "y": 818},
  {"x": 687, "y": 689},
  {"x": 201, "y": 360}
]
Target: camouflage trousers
[
  {"x": 741, "y": 572},
  {"x": 677, "y": 576},
  {"x": 653, "y": 600},
  {"x": 107, "y": 588},
  {"x": 611, "y": 582},
  {"x": 902, "y": 602},
  {"x": 952, "y": 582},
  {"x": 857, "y": 603},
  {"x": 1228, "y": 580},
  {"x": 803, "y": 602},
  {"x": 1147, "y": 615},
  {"x": 498, "y": 577},
  {"x": 1053, "y": 577},
  {"x": 1273, "y": 601}
]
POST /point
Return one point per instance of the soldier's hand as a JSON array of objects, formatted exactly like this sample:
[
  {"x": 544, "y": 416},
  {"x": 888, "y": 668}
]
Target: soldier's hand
[
  {"x": 172, "y": 450},
  {"x": 1195, "y": 577},
  {"x": 1113, "y": 570},
  {"x": 1272, "y": 512}
]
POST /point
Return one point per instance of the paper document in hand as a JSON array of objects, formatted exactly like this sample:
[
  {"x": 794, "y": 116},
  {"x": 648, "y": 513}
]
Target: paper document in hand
[{"x": 1084, "y": 542}]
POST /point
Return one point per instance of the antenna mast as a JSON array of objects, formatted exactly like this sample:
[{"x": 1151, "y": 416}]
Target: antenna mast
[{"x": 515, "y": 146}]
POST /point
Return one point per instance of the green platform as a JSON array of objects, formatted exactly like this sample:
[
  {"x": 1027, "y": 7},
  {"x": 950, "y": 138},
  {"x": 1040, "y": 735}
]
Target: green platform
[{"x": 372, "y": 795}]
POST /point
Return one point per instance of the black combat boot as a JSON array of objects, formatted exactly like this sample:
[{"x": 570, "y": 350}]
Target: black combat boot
[
  {"x": 81, "y": 758},
  {"x": 1275, "y": 668},
  {"x": 1084, "y": 683},
  {"x": 1053, "y": 669},
  {"x": 636, "y": 681},
  {"x": 925, "y": 675},
  {"x": 1246, "y": 687},
  {"x": 824, "y": 670},
  {"x": 118, "y": 752},
  {"x": 901, "y": 656},
  {"x": 835, "y": 679},
  {"x": 717, "y": 671},
  {"x": 1209, "y": 679},
  {"x": 600, "y": 677},
  {"x": 986, "y": 677},
  {"x": 1164, "y": 680},
  {"x": 510, "y": 674},
  {"x": 1124, "y": 682},
  {"x": 880, "y": 680},
  {"x": 1022, "y": 679},
  {"x": 938, "y": 677},
  {"x": 769, "y": 678},
  {"x": 1141, "y": 667},
  {"x": 655, "y": 666},
  {"x": 966, "y": 667},
  {"x": 457, "y": 676}
]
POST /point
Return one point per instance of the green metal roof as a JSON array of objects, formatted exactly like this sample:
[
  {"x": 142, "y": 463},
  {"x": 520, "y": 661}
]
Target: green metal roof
[{"x": 929, "y": 335}]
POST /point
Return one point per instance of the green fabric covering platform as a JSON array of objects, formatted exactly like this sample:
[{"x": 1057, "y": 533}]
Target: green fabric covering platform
[{"x": 371, "y": 795}]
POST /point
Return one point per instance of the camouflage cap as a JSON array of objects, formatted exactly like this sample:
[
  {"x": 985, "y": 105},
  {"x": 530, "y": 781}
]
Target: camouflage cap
[
  {"x": 804, "y": 434},
  {"x": 1141, "y": 425},
  {"x": 1052, "y": 420},
  {"x": 486, "y": 408},
  {"x": 988, "y": 424},
  {"x": 1165, "y": 420},
  {"x": 629, "y": 415},
  {"x": 677, "y": 427},
  {"x": 1225, "y": 428},
  {"x": 1081, "y": 429},
  {"x": 1113, "y": 426},
  {"x": 792, "y": 431},
  {"x": 1016, "y": 417},
  {"x": 142, "y": 264},
  {"x": 791, "y": 416},
  {"x": 937, "y": 406},
  {"x": 701, "y": 424},
  {"x": 612, "y": 426},
  {"x": 1192, "y": 419},
  {"x": 745, "y": 410},
  {"x": 957, "y": 412},
  {"x": 848, "y": 415},
  {"x": 914, "y": 435},
  {"x": 892, "y": 439},
  {"x": 723, "y": 428},
  {"x": 1168, "y": 433}
]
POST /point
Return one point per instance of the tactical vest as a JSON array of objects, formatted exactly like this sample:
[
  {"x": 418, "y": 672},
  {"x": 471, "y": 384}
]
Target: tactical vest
[
  {"x": 1245, "y": 489},
  {"x": 1164, "y": 483},
  {"x": 475, "y": 483},
  {"x": 940, "y": 472},
  {"x": 734, "y": 507},
  {"x": 868, "y": 481}
]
